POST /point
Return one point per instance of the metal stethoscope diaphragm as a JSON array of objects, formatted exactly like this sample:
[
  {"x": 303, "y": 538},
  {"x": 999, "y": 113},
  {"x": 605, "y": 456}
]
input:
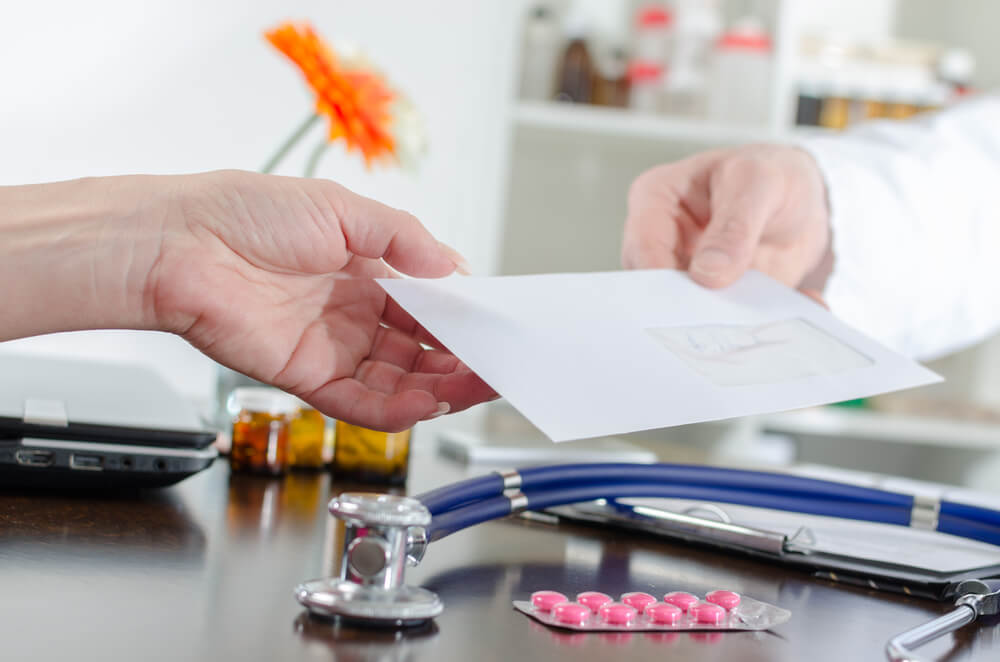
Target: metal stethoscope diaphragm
[{"x": 383, "y": 535}]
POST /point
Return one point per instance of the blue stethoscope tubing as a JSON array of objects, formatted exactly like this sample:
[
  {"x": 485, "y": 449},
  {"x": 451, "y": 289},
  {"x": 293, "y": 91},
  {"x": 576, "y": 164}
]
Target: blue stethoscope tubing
[{"x": 469, "y": 502}]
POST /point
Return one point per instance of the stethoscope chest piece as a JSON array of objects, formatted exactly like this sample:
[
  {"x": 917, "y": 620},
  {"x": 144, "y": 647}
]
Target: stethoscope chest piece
[{"x": 383, "y": 534}]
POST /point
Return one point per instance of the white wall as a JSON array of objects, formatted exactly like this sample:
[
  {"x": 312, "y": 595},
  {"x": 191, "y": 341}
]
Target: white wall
[{"x": 107, "y": 87}]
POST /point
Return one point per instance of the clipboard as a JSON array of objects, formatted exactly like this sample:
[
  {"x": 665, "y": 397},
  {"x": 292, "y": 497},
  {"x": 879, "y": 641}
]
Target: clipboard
[{"x": 877, "y": 556}]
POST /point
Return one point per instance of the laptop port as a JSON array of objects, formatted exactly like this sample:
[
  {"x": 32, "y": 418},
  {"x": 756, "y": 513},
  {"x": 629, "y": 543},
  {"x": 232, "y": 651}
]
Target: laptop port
[
  {"x": 35, "y": 458},
  {"x": 86, "y": 462}
]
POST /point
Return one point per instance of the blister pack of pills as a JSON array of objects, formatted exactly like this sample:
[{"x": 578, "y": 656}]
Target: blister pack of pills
[{"x": 592, "y": 611}]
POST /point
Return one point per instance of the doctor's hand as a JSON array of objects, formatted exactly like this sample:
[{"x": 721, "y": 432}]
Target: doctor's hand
[
  {"x": 722, "y": 212},
  {"x": 271, "y": 276}
]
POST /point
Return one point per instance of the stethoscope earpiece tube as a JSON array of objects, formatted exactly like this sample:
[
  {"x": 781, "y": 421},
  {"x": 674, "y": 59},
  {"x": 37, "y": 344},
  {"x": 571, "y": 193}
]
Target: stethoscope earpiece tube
[{"x": 477, "y": 500}]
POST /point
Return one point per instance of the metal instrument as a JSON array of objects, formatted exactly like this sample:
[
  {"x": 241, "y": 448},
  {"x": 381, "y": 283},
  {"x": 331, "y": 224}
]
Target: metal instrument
[
  {"x": 978, "y": 598},
  {"x": 384, "y": 534}
]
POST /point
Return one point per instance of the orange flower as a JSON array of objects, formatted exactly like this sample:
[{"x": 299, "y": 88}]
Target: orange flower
[{"x": 356, "y": 100}]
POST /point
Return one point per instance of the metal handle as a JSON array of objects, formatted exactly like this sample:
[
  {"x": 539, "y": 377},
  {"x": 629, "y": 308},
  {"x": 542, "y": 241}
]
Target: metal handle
[
  {"x": 980, "y": 597},
  {"x": 898, "y": 648}
]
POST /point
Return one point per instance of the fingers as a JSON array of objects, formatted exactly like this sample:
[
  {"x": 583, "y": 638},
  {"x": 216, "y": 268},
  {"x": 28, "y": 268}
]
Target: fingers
[
  {"x": 353, "y": 402},
  {"x": 745, "y": 194},
  {"x": 383, "y": 396},
  {"x": 397, "y": 362},
  {"x": 815, "y": 295},
  {"x": 396, "y": 317},
  {"x": 374, "y": 230},
  {"x": 652, "y": 235},
  {"x": 407, "y": 351}
]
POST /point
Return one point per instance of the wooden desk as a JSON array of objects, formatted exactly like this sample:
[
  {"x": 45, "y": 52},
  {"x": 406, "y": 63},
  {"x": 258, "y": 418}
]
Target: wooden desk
[{"x": 205, "y": 571}]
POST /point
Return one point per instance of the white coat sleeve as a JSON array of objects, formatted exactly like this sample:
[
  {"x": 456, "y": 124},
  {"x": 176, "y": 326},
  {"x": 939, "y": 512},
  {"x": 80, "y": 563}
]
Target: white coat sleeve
[{"x": 915, "y": 221}]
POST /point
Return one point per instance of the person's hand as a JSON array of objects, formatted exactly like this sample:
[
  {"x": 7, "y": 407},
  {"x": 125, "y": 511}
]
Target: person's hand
[
  {"x": 719, "y": 213},
  {"x": 271, "y": 276}
]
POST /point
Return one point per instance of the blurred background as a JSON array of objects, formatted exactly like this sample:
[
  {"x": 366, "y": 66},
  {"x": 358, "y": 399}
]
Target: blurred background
[{"x": 538, "y": 114}]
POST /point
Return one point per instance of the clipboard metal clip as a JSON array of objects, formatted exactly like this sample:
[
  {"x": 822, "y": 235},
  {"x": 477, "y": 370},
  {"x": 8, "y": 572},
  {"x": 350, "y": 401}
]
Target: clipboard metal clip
[{"x": 685, "y": 525}]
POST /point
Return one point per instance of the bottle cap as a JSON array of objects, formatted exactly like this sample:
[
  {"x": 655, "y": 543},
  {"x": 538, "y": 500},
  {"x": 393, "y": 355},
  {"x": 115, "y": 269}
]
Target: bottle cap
[
  {"x": 643, "y": 71},
  {"x": 956, "y": 65},
  {"x": 262, "y": 399},
  {"x": 746, "y": 34},
  {"x": 654, "y": 16}
]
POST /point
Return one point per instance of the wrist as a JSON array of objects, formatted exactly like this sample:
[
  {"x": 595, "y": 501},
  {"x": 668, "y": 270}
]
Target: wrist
[{"x": 76, "y": 255}]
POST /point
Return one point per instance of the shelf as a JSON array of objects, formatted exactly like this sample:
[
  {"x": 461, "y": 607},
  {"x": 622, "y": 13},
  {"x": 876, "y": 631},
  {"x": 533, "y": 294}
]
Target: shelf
[
  {"x": 616, "y": 122},
  {"x": 885, "y": 427}
]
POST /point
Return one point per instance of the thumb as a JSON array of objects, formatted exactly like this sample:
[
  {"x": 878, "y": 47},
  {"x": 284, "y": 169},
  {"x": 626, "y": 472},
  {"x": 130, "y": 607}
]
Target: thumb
[
  {"x": 374, "y": 230},
  {"x": 744, "y": 196}
]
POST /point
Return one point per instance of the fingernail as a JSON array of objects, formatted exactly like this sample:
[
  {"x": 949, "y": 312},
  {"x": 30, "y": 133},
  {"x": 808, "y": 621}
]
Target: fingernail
[
  {"x": 710, "y": 262},
  {"x": 443, "y": 408},
  {"x": 461, "y": 264}
]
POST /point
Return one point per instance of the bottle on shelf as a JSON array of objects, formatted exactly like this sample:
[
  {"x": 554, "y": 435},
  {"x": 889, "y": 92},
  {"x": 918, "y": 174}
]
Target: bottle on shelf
[
  {"x": 698, "y": 23},
  {"x": 654, "y": 31},
  {"x": 957, "y": 68},
  {"x": 741, "y": 74},
  {"x": 646, "y": 86},
  {"x": 540, "y": 45},
  {"x": 611, "y": 86},
  {"x": 576, "y": 72}
]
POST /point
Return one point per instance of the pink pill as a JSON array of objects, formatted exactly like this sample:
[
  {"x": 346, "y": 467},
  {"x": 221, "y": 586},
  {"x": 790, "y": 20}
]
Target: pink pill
[
  {"x": 680, "y": 599},
  {"x": 615, "y": 613},
  {"x": 707, "y": 613},
  {"x": 571, "y": 613},
  {"x": 664, "y": 613},
  {"x": 593, "y": 599},
  {"x": 546, "y": 600},
  {"x": 725, "y": 599},
  {"x": 638, "y": 600}
]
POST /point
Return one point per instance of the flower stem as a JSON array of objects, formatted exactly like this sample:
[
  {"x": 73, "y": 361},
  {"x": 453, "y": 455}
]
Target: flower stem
[
  {"x": 315, "y": 157},
  {"x": 286, "y": 147}
]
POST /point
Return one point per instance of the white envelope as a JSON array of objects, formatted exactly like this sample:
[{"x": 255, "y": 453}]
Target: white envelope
[{"x": 593, "y": 354}]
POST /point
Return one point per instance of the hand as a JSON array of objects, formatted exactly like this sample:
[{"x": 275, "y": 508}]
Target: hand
[
  {"x": 271, "y": 276},
  {"x": 719, "y": 213}
]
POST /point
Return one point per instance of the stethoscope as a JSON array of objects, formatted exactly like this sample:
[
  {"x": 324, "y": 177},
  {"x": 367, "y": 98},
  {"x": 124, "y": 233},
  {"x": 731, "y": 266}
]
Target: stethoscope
[{"x": 384, "y": 534}]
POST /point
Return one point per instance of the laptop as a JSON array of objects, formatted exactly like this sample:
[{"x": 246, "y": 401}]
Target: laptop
[{"x": 72, "y": 423}]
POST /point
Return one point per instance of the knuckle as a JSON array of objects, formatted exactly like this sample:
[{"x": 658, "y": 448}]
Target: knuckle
[{"x": 649, "y": 182}]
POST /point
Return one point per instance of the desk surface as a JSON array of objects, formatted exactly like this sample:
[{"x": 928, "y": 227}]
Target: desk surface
[{"x": 205, "y": 571}]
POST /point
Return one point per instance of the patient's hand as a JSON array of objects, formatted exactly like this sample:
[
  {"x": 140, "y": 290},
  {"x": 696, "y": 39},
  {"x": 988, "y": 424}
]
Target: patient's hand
[
  {"x": 272, "y": 276},
  {"x": 268, "y": 275},
  {"x": 719, "y": 213}
]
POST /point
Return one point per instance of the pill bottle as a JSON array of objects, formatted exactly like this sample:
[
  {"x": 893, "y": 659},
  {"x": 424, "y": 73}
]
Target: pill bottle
[
  {"x": 653, "y": 39},
  {"x": 576, "y": 71},
  {"x": 369, "y": 456},
  {"x": 260, "y": 429},
  {"x": 541, "y": 43},
  {"x": 740, "y": 89},
  {"x": 306, "y": 433},
  {"x": 646, "y": 86}
]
